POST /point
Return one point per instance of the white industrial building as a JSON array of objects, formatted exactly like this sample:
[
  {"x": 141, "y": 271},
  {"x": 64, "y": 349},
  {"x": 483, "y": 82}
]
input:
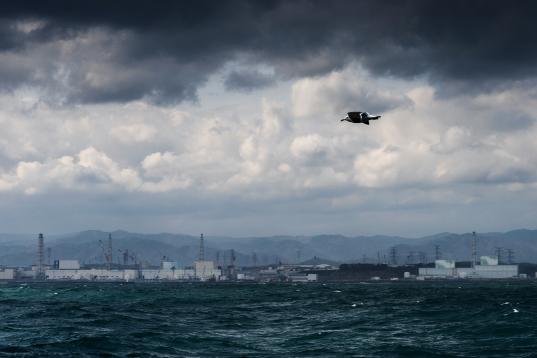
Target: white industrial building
[
  {"x": 169, "y": 271},
  {"x": 302, "y": 277},
  {"x": 167, "y": 274},
  {"x": 26, "y": 274},
  {"x": 70, "y": 270},
  {"x": 91, "y": 274},
  {"x": 7, "y": 274},
  {"x": 205, "y": 270},
  {"x": 489, "y": 268},
  {"x": 120, "y": 275},
  {"x": 493, "y": 271},
  {"x": 441, "y": 269}
]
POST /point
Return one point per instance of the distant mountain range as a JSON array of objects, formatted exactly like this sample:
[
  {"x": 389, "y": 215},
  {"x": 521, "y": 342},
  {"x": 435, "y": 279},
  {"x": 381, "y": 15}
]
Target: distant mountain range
[{"x": 19, "y": 249}]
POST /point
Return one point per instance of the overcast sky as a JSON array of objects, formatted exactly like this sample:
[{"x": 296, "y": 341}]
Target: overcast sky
[{"x": 223, "y": 116}]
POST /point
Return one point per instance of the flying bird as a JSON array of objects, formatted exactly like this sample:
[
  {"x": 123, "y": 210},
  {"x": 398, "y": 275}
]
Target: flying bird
[{"x": 359, "y": 117}]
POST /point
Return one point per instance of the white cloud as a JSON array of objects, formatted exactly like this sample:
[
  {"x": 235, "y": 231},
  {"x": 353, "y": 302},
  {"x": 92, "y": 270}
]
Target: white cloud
[
  {"x": 421, "y": 141},
  {"x": 165, "y": 172},
  {"x": 377, "y": 168},
  {"x": 137, "y": 132},
  {"x": 308, "y": 146},
  {"x": 88, "y": 170},
  {"x": 424, "y": 152},
  {"x": 341, "y": 92},
  {"x": 158, "y": 160}
]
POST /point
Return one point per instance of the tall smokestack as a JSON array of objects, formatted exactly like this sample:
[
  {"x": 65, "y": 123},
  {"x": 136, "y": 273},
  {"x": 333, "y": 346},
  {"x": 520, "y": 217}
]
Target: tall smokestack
[
  {"x": 202, "y": 249},
  {"x": 40, "y": 256}
]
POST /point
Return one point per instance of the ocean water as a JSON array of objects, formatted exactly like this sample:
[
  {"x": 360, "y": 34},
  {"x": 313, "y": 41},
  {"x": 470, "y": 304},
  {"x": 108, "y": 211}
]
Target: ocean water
[{"x": 420, "y": 319}]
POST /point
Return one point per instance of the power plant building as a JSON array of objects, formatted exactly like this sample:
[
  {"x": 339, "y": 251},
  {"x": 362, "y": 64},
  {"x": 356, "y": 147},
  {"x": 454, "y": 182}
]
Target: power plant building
[
  {"x": 91, "y": 274},
  {"x": 441, "y": 269},
  {"x": 205, "y": 270},
  {"x": 71, "y": 270},
  {"x": 7, "y": 274},
  {"x": 167, "y": 274},
  {"x": 489, "y": 269}
]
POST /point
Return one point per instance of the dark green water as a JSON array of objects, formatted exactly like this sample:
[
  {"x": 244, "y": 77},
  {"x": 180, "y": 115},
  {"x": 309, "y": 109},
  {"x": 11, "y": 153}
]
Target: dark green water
[{"x": 254, "y": 320}]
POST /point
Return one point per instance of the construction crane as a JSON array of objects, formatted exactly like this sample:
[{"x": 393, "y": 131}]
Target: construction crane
[
  {"x": 107, "y": 256},
  {"x": 129, "y": 255}
]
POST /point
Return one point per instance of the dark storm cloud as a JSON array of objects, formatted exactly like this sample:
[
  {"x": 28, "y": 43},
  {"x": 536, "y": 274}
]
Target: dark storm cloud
[{"x": 164, "y": 50}]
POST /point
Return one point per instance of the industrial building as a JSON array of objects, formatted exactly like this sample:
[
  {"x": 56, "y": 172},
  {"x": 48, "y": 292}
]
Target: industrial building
[
  {"x": 7, "y": 274},
  {"x": 202, "y": 270},
  {"x": 71, "y": 270},
  {"x": 205, "y": 270},
  {"x": 489, "y": 268},
  {"x": 441, "y": 269},
  {"x": 167, "y": 274},
  {"x": 302, "y": 277},
  {"x": 92, "y": 274}
]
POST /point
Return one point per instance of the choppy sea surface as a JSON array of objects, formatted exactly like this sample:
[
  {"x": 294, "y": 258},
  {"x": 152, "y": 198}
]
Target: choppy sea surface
[{"x": 420, "y": 319}]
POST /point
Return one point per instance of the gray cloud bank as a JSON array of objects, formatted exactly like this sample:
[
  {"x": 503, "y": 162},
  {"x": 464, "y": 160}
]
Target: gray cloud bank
[{"x": 119, "y": 51}]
